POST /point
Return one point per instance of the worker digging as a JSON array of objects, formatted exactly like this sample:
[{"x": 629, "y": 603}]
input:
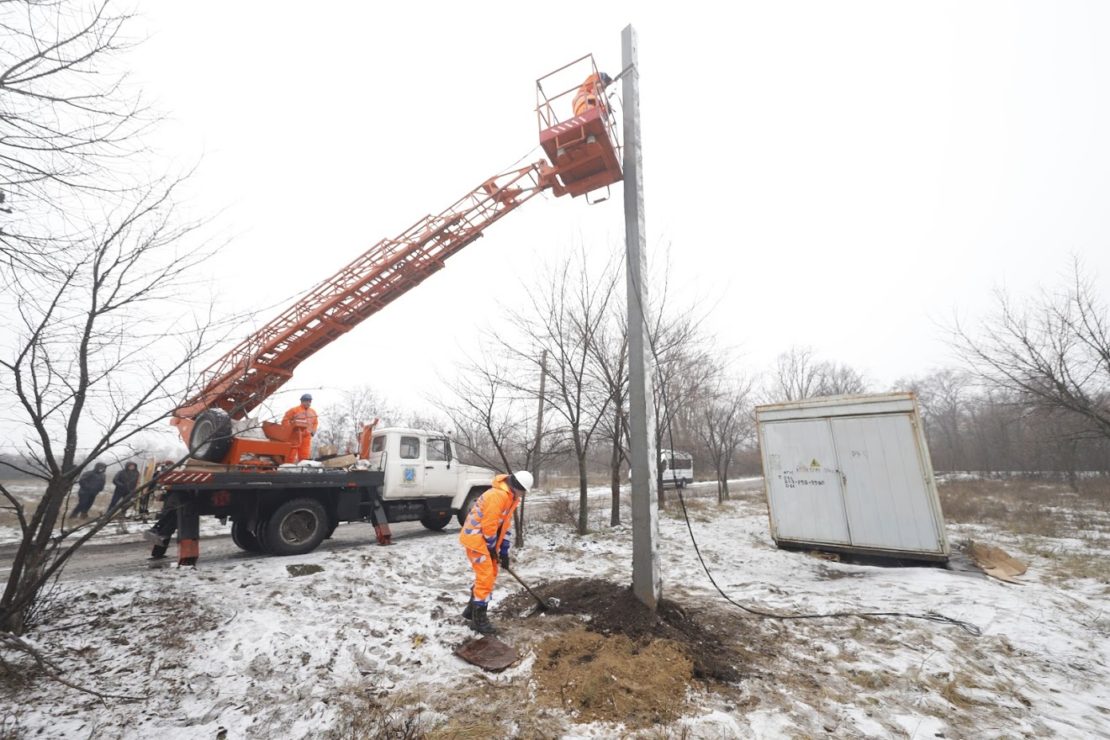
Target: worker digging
[{"x": 486, "y": 537}]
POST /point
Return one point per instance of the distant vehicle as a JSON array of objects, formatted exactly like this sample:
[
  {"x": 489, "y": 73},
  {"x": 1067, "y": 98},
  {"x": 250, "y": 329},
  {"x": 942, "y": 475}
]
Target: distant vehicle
[{"x": 676, "y": 468}]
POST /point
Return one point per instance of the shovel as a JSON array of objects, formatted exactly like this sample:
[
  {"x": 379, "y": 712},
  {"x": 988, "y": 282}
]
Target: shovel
[{"x": 544, "y": 606}]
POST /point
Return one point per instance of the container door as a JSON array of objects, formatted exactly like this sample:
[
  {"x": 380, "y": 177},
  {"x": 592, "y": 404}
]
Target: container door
[
  {"x": 404, "y": 477},
  {"x": 803, "y": 482},
  {"x": 886, "y": 494}
]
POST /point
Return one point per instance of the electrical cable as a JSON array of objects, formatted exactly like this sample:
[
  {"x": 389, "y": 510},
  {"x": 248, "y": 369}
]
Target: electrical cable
[{"x": 968, "y": 627}]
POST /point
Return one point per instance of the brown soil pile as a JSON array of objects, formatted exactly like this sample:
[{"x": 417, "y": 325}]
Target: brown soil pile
[
  {"x": 611, "y": 678},
  {"x": 614, "y": 610}
]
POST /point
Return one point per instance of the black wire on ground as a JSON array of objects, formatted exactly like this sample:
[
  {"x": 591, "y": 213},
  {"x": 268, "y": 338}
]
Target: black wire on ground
[{"x": 926, "y": 616}]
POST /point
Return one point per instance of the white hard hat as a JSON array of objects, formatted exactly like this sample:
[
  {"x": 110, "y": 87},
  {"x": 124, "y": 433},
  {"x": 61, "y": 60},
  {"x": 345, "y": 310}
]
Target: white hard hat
[{"x": 524, "y": 478}]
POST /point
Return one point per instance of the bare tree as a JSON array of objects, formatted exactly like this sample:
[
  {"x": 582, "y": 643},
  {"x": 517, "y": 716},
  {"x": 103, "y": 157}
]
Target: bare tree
[
  {"x": 342, "y": 422},
  {"x": 945, "y": 398},
  {"x": 565, "y": 319},
  {"x": 725, "y": 423},
  {"x": 1055, "y": 352},
  {"x": 611, "y": 356},
  {"x": 103, "y": 324},
  {"x": 797, "y": 375},
  {"x": 686, "y": 366},
  {"x": 491, "y": 421},
  {"x": 840, "y": 380},
  {"x": 91, "y": 367},
  {"x": 66, "y": 120}
]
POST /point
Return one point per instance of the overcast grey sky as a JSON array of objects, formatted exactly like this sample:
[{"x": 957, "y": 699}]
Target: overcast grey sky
[{"x": 842, "y": 175}]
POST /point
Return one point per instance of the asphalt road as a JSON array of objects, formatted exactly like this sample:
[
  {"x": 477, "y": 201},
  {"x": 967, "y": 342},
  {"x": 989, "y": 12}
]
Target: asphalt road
[{"x": 113, "y": 554}]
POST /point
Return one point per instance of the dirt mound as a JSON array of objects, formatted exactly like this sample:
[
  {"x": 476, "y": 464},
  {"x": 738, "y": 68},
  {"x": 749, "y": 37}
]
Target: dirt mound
[
  {"x": 615, "y": 610},
  {"x": 611, "y": 678}
]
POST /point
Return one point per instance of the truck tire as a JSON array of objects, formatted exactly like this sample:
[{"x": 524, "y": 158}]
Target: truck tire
[
  {"x": 244, "y": 539},
  {"x": 470, "y": 499},
  {"x": 295, "y": 527},
  {"x": 211, "y": 436},
  {"x": 435, "y": 520}
]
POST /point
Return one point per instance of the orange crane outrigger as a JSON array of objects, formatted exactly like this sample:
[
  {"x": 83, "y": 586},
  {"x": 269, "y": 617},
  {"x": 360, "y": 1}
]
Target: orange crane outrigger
[{"x": 583, "y": 155}]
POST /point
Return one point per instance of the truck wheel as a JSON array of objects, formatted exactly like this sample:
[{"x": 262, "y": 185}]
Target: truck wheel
[
  {"x": 295, "y": 527},
  {"x": 243, "y": 538},
  {"x": 465, "y": 510},
  {"x": 435, "y": 520},
  {"x": 211, "y": 436}
]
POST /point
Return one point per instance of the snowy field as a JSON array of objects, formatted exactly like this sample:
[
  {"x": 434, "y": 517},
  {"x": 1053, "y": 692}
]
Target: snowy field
[{"x": 360, "y": 643}]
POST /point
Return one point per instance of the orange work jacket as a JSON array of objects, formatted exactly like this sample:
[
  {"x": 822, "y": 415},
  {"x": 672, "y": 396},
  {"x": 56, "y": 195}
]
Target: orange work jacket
[
  {"x": 301, "y": 417},
  {"x": 588, "y": 95},
  {"x": 488, "y": 523}
]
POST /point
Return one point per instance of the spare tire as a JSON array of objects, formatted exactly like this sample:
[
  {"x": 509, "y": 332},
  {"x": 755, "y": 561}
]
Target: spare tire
[{"x": 210, "y": 439}]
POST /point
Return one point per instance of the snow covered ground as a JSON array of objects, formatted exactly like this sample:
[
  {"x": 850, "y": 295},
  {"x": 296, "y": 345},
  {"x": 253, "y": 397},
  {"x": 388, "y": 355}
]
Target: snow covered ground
[{"x": 360, "y": 642}]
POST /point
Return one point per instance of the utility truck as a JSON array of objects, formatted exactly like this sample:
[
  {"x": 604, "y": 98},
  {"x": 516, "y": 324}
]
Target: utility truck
[
  {"x": 409, "y": 475},
  {"x": 280, "y": 504}
]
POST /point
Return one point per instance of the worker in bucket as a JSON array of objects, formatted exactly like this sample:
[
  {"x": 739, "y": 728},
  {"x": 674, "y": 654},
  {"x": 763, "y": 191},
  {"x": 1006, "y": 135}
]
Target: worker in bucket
[
  {"x": 486, "y": 537},
  {"x": 303, "y": 416},
  {"x": 591, "y": 93}
]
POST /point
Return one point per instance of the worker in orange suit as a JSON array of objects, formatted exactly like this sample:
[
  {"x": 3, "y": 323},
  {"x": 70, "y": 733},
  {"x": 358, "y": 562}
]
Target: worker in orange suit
[
  {"x": 486, "y": 537},
  {"x": 303, "y": 417},
  {"x": 591, "y": 93}
]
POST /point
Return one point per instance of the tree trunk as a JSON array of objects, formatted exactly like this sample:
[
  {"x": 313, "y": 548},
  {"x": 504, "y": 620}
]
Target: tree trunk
[
  {"x": 24, "y": 578},
  {"x": 583, "y": 499},
  {"x": 615, "y": 470}
]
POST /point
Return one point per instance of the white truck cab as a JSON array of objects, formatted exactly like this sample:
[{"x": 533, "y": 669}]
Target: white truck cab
[{"x": 422, "y": 464}]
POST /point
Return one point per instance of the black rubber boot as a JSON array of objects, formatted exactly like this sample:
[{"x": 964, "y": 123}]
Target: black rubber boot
[
  {"x": 480, "y": 622},
  {"x": 468, "y": 612}
]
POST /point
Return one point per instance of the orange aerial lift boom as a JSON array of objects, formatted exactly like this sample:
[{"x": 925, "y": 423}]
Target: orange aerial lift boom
[{"x": 584, "y": 156}]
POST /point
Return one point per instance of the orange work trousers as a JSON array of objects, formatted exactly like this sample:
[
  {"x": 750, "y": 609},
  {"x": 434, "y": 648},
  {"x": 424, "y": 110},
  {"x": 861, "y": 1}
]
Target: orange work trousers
[
  {"x": 305, "y": 450},
  {"x": 485, "y": 573}
]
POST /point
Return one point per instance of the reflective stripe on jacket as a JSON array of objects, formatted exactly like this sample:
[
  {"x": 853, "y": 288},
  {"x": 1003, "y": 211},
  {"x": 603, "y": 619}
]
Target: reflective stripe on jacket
[{"x": 488, "y": 522}]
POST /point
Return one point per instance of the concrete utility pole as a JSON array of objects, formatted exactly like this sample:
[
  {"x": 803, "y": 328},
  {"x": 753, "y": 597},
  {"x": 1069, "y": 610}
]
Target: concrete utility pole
[{"x": 641, "y": 407}]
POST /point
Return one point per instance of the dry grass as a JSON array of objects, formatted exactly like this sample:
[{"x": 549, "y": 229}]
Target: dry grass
[
  {"x": 1041, "y": 514},
  {"x": 698, "y": 509},
  {"x": 611, "y": 678},
  {"x": 563, "y": 509},
  {"x": 366, "y": 712},
  {"x": 1030, "y": 507}
]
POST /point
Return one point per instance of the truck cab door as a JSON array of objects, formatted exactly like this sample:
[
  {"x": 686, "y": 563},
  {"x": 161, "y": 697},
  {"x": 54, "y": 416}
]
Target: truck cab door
[
  {"x": 404, "y": 475},
  {"x": 439, "y": 474}
]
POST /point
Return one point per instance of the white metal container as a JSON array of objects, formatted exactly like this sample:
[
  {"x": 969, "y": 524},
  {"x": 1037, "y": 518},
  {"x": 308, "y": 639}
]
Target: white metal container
[{"x": 851, "y": 474}]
